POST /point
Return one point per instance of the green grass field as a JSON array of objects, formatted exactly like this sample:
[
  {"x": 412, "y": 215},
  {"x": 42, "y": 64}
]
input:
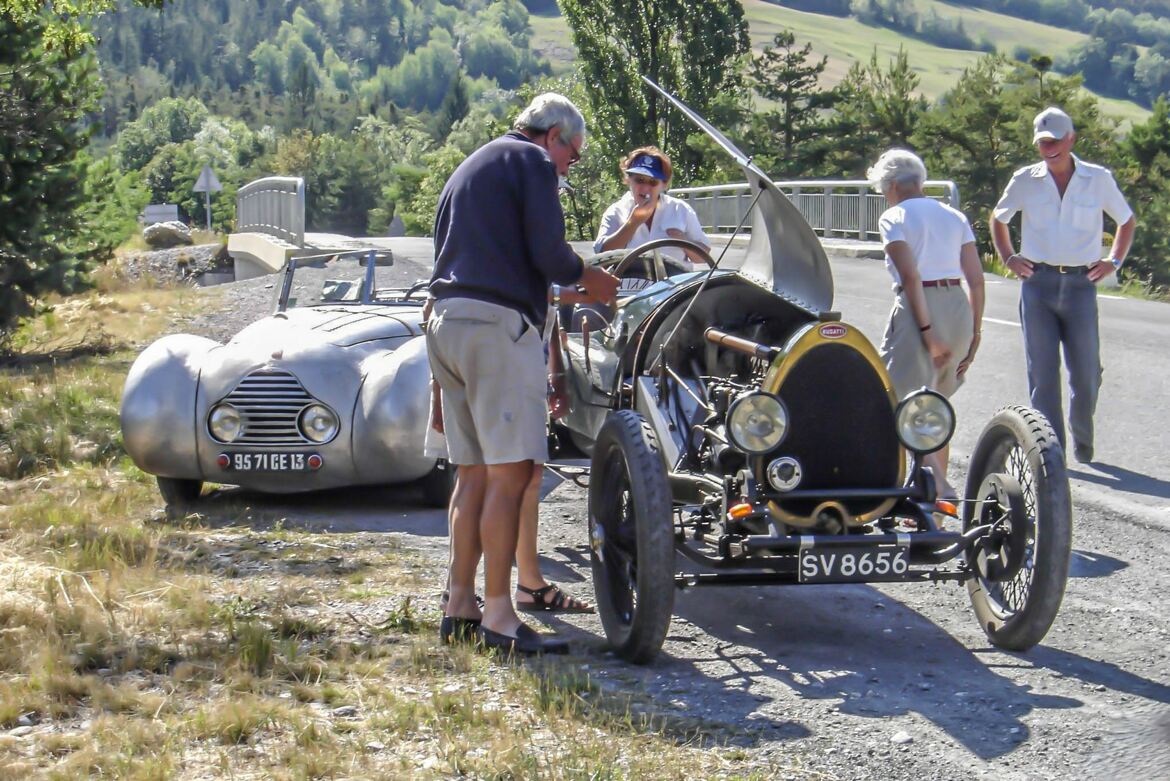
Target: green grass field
[{"x": 845, "y": 41}]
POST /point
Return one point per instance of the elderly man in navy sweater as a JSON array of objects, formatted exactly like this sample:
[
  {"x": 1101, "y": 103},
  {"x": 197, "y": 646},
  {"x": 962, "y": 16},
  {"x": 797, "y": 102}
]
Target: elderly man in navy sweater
[{"x": 499, "y": 244}]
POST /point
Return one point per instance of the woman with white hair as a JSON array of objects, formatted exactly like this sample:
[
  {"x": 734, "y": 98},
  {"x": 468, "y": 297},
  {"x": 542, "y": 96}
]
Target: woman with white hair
[{"x": 934, "y": 327}]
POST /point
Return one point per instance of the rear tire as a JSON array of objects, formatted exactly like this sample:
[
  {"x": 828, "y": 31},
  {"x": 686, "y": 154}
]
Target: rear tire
[
  {"x": 631, "y": 535},
  {"x": 439, "y": 484},
  {"x": 179, "y": 492},
  {"x": 1017, "y": 612}
]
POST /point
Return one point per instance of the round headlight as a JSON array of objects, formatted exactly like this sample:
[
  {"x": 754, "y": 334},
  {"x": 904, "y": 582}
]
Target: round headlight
[
  {"x": 224, "y": 423},
  {"x": 757, "y": 422},
  {"x": 925, "y": 421},
  {"x": 318, "y": 423}
]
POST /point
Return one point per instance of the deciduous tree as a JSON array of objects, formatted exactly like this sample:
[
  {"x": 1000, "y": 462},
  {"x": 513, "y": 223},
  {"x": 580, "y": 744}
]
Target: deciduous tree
[{"x": 690, "y": 47}]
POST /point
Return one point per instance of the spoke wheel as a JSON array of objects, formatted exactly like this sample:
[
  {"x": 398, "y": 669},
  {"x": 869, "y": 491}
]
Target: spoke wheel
[
  {"x": 1017, "y": 477},
  {"x": 631, "y": 536}
]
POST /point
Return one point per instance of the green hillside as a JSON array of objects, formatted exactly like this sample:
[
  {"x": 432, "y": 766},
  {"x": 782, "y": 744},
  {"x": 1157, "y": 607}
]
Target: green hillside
[{"x": 844, "y": 41}]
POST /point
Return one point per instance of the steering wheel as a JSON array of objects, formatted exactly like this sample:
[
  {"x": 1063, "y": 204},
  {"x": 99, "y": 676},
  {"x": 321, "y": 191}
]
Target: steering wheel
[
  {"x": 422, "y": 284},
  {"x": 618, "y": 262}
]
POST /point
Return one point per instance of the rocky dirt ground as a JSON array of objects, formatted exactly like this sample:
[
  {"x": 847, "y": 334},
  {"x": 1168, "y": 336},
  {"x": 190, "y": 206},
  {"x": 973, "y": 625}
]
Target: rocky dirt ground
[{"x": 857, "y": 682}]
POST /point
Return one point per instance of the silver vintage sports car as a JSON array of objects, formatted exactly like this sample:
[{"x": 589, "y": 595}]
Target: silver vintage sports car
[{"x": 330, "y": 390}]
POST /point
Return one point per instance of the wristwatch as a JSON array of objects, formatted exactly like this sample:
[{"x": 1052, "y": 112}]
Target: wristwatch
[
  {"x": 1116, "y": 262},
  {"x": 556, "y": 295}
]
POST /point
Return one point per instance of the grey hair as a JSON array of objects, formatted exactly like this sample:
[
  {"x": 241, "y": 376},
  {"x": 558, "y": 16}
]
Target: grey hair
[
  {"x": 899, "y": 166},
  {"x": 552, "y": 110}
]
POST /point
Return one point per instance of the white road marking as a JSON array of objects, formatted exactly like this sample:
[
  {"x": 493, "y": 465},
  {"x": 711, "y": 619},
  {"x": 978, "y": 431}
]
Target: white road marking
[
  {"x": 1111, "y": 298},
  {"x": 1001, "y": 322}
]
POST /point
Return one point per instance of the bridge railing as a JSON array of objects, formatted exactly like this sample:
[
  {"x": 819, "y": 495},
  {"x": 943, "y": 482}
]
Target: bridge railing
[
  {"x": 274, "y": 205},
  {"x": 833, "y": 207}
]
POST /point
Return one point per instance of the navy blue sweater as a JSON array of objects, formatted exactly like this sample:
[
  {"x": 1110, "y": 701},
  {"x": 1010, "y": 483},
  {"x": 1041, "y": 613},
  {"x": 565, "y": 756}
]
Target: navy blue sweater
[{"x": 500, "y": 231}]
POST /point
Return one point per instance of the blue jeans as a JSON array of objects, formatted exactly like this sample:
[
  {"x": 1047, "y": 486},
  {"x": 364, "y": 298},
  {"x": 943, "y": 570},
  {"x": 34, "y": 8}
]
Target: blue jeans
[{"x": 1061, "y": 309}]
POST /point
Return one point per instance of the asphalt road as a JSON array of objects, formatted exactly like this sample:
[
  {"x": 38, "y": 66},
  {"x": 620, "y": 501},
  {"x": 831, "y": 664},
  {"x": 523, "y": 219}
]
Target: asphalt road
[
  {"x": 1130, "y": 479},
  {"x": 897, "y": 681}
]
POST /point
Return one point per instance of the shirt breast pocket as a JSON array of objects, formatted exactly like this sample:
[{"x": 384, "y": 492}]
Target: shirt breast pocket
[{"x": 1086, "y": 214}]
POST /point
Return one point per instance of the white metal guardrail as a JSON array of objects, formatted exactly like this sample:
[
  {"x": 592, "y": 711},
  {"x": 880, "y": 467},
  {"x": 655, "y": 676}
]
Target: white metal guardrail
[
  {"x": 274, "y": 205},
  {"x": 833, "y": 207}
]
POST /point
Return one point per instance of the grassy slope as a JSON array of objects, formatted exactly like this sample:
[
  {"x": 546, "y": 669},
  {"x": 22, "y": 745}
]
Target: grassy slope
[{"x": 847, "y": 40}]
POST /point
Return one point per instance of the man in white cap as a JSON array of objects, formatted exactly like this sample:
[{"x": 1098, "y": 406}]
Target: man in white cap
[{"x": 1060, "y": 260}]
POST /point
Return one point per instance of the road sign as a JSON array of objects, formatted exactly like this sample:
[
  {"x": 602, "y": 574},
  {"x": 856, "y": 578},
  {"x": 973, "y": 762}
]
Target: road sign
[{"x": 207, "y": 181}]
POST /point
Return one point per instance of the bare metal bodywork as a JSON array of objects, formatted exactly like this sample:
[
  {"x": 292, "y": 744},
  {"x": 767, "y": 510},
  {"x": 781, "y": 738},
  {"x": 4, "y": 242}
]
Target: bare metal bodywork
[{"x": 365, "y": 359}]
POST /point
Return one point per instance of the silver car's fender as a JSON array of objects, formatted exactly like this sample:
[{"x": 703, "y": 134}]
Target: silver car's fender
[
  {"x": 391, "y": 415},
  {"x": 158, "y": 406}
]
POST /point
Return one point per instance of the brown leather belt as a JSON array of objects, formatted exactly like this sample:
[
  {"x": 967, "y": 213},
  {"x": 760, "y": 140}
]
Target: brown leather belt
[
  {"x": 1038, "y": 266},
  {"x": 942, "y": 282}
]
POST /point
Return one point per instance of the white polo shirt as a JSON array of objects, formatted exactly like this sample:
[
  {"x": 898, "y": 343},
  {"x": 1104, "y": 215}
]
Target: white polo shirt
[
  {"x": 671, "y": 213},
  {"x": 935, "y": 232},
  {"x": 1064, "y": 232}
]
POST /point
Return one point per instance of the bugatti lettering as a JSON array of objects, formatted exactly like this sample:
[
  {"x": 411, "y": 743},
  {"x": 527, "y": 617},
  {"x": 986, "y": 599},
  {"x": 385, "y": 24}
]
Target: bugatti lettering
[
  {"x": 268, "y": 462},
  {"x": 861, "y": 564}
]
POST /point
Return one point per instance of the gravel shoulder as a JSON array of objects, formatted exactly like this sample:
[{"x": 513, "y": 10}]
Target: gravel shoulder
[{"x": 855, "y": 682}]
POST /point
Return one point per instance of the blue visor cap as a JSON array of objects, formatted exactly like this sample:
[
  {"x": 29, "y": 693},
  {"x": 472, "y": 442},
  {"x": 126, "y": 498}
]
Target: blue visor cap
[{"x": 647, "y": 165}]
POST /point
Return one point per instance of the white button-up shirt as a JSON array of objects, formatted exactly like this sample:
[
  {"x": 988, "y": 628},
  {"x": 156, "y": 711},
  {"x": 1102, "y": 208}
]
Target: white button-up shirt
[
  {"x": 670, "y": 213},
  {"x": 1064, "y": 232}
]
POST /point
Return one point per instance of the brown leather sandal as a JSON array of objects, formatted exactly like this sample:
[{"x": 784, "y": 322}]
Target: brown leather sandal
[{"x": 559, "y": 603}]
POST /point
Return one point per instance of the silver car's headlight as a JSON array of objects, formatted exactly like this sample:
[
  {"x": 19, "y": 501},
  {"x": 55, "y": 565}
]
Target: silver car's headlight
[
  {"x": 318, "y": 423},
  {"x": 224, "y": 423},
  {"x": 757, "y": 422},
  {"x": 925, "y": 421}
]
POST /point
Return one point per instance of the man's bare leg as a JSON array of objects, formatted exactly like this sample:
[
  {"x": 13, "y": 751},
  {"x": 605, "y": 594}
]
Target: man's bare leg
[
  {"x": 467, "y": 504},
  {"x": 498, "y": 527}
]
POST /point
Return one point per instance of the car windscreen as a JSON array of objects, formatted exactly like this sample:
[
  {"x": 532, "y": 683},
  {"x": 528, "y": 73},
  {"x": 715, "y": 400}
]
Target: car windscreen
[{"x": 338, "y": 280}]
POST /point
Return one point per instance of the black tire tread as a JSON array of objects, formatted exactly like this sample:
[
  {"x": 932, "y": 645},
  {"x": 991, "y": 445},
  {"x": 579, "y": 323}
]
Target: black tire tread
[
  {"x": 1028, "y": 627},
  {"x": 650, "y": 489}
]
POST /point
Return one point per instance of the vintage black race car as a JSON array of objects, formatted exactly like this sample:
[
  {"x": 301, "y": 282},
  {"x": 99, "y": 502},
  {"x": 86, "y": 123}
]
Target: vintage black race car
[{"x": 733, "y": 417}]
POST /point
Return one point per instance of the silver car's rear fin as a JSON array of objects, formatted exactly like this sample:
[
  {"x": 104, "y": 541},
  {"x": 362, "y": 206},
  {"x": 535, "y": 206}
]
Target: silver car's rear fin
[{"x": 784, "y": 253}]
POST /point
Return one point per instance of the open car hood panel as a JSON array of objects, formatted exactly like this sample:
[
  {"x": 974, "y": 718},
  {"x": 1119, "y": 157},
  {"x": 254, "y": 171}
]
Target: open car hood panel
[{"x": 784, "y": 254}]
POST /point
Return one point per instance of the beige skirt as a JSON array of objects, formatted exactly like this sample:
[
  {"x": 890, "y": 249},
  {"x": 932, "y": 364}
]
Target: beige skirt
[{"x": 904, "y": 353}]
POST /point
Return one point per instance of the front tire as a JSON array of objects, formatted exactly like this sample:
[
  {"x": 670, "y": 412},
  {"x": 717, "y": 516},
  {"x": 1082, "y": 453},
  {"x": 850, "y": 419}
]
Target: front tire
[
  {"x": 631, "y": 535},
  {"x": 179, "y": 492},
  {"x": 1017, "y": 607}
]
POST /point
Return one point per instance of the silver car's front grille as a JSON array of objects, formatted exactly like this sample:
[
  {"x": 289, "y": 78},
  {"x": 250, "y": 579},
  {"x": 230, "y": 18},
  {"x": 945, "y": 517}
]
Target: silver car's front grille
[{"x": 269, "y": 402}]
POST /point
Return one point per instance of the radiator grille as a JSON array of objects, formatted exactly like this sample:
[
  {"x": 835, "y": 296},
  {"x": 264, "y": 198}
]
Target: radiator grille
[
  {"x": 842, "y": 426},
  {"x": 269, "y": 402}
]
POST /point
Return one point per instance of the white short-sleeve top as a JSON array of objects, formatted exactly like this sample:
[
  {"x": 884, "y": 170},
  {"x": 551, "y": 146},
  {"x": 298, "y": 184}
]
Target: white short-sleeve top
[
  {"x": 935, "y": 232},
  {"x": 1062, "y": 231},
  {"x": 671, "y": 213}
]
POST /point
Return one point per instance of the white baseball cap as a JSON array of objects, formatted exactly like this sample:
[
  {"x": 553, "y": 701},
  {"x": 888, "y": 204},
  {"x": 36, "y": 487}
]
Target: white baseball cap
[{"x": 1051, "y": 123}]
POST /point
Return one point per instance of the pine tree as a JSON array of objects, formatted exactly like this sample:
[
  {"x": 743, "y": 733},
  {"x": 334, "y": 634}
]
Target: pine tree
[{"x": 784, "y": 73}]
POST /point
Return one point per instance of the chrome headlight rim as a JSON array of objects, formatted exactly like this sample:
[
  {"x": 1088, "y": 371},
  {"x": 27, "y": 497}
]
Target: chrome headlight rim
[
  {"x": 219, "y": 426},
  {"x": 780, "y": 416},
  {"x": 941, "y": 405},
  {"x": 318, "y": 436}
]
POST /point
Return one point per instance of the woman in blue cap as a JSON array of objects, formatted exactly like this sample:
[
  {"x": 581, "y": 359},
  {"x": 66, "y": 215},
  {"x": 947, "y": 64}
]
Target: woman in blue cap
[{"x": 646, "y": 212}]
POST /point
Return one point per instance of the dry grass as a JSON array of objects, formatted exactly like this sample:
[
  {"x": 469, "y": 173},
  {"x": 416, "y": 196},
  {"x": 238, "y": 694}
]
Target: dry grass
[{"x": 137, "y": 646}]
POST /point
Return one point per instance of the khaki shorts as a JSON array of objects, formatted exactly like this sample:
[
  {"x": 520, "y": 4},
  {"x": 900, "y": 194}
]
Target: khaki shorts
[
  {"x": 905, "y": 355},
  {"x": 489, "y": 362}
]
